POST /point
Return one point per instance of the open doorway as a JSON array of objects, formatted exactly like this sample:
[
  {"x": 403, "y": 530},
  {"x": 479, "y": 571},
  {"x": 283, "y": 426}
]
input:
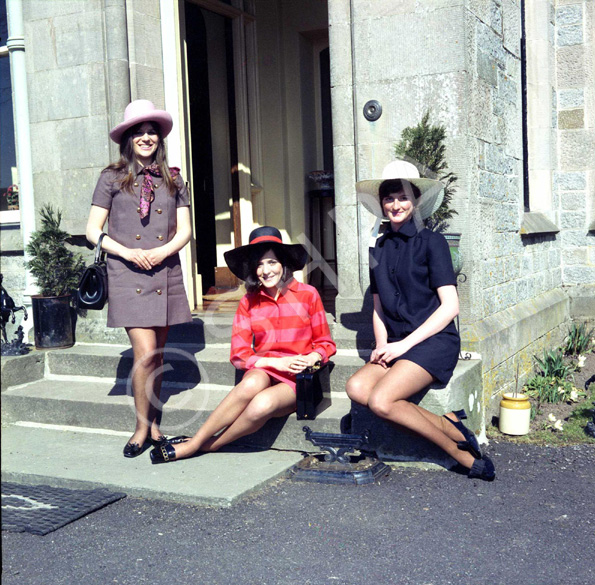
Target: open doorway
[{"x": 214, "y": 149}]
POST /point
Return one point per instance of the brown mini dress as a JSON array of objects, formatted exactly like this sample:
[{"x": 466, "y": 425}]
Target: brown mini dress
[{"x": 143, "y": 298}]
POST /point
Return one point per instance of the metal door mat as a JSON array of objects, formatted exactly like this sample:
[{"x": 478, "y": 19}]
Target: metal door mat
[{"x": 40, "y": 509}]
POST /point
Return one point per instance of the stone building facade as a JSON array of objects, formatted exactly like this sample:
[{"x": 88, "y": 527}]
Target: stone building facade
[{"x": 526, "y": 192}]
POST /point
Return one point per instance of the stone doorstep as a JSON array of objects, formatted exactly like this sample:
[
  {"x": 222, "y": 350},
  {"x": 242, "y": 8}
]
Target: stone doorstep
[{"x": 85, "y": 401}]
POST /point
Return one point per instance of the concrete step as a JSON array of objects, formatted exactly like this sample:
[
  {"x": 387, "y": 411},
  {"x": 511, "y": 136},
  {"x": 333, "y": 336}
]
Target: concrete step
[
  {"x": 94, "y": 403},
  {"x": 87, "y": 458},
  {"x": 184, "y": 364}
]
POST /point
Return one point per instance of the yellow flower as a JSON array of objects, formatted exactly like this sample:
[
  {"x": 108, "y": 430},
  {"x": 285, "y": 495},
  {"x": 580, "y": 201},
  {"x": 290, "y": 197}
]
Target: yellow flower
[
  {"x": 581, "y": 361},
  {"x": 573, "y": 395},
  {"x": 558, "y": 425},
  {"x": 560, "y": 390},
  {"x": 551, "y": 417}
]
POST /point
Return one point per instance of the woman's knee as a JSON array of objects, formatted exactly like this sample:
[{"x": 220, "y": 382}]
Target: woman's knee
[
  {"x": 382, "y": 406},
  {"x": 250, "y": 386},
  {"x": 357, "y": 390},
  {"x": 262, "y": 406}
]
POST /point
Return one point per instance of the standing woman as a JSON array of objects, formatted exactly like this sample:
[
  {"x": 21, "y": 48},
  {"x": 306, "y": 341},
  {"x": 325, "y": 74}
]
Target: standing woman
[
  {"x": 279, "y": 330},
  {"x": 147, "y": 207},
  {"x": 415, "y": 301}
]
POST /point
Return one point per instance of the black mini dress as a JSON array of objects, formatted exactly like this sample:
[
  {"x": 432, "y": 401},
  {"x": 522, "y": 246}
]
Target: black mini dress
[{"x": 406, "y": 269}]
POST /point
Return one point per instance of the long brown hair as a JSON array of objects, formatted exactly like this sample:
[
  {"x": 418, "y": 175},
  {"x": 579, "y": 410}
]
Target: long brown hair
[{"x": 127, "y": 162}]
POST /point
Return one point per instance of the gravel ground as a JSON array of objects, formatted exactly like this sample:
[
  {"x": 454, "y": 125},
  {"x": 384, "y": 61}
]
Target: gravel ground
[{"x": 534, "y": 525}]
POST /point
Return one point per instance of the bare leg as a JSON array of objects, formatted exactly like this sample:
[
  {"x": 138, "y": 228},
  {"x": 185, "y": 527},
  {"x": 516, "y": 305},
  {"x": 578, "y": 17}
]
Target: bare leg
[
  {"x": 147, "y": 346},
  {"x": 386, "y": 393},
  {"x": 229, "y": 409},
  {"x": 276, "y": 401}
]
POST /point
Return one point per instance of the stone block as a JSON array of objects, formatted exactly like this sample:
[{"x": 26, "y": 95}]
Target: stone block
[
  {"x": 508, "y": 218},
  {"x": 341, "y": 63},
  {"x": 83, "y": 142},
  {"x": 574, "y": 181},
  {"x": 79, "y": 38},
  {"x": 11, "y": 240},
  {"x": 490, "y": 42},
  {"x": 22, "y": 369},
  {"x": 574, "y": 256},
  {"x": 576, "y": 147},
  {"x": 571, "y": 98},
  {"x": 579, "y": 274},
  {"x": 572, "y": 201},
  {"x": 493, "y": 186},
  {"x": 375, "y": 9},
  {"x": 339, "y": 13},
  {"x": 569, "y": 15},
  {"x": 40, "y": 45},
  {"x": 571, "y": 119},
  {"x": 487, "y": 68},
  {"x": 508, "y": 88},
  {"x": 570, "y": 66},
  {"x": 497, "y": 161},
  {"x": 42, "y": 9},
  {"x": 511, "y": 24},
  {"x": 522, "y": 290},
  {"x": 342, "y": 100},
  {"x": 573, "y": 219},
  {"x": 569, "y": 35}
]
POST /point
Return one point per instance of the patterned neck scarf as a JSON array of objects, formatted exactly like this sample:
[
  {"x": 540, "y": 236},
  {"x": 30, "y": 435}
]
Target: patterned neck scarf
[{"x": 147, "y": 190}]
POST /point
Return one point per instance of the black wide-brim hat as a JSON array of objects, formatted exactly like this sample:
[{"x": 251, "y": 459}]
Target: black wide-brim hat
[{"x": 241, "y": 260}]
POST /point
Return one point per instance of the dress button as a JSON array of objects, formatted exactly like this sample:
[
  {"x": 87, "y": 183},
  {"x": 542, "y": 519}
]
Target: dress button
[
  {"x": 138, "y": 291},
  {"x": 138, "y": 210},
  {"x": 160, "y": 238},
  {"x": 158, "y": 291},
  {"x": 138, "y": 236},
  {"x": 156, "y": 186},
  {"x": 160, "y": 211},
  {"x": 136, "y": 184}
]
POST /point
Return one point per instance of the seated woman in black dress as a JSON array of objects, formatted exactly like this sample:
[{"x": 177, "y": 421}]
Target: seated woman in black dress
[{"x": 415, "y": 301}]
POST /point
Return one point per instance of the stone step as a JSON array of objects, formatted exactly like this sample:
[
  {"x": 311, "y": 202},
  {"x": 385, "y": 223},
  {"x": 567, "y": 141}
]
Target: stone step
[
  {"x": 105, "y": 405},
  {"x": 213, "y": 328},
  {"x": 184, "y": 364}
]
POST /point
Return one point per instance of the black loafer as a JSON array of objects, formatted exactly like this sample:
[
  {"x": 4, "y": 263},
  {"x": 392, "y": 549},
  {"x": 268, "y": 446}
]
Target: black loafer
[
  {"x": 482, "y": 469},
  {"x": 470, "y": 443},
  {"x": 165, "y": 453},
  {"x": 134, "y": 449},
  {"x": 179, "y": 439}
]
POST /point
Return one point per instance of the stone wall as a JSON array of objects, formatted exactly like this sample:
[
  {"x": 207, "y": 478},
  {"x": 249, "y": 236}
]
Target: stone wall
[{"x": 574, "y": 114}]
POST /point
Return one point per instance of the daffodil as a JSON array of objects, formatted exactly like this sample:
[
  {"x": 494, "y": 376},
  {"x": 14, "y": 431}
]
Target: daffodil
[
  {"x": 551, "y": 417},
  {"x": 573, "y": 395},
  {"x": 558, "y": 425},
  {"x": 560, "y": 390},
  {"x": 581, "y": 361}
]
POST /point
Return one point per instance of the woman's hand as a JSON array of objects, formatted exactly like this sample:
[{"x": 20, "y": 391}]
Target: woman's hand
[
  {"x": 156, "y": 255},
  {"x": 292, "y": 364},
  {"x": 387, "y": 353},
  {"x": 139, "y": 257}
]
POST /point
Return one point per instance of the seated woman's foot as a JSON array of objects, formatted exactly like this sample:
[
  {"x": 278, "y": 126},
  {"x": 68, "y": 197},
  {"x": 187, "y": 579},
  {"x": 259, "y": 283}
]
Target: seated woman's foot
[
  {"x": 470, "y": 442},
  {"x": 482, "y": 469},
  {"x": 171, "y": 450}
]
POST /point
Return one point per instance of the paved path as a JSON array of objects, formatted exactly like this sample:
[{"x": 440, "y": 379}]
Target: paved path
[{"x": 534, "y": 525}]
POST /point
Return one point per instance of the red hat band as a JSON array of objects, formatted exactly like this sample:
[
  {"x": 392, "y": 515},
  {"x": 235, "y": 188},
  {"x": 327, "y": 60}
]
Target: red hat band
[{"x": 266, "y": 239}]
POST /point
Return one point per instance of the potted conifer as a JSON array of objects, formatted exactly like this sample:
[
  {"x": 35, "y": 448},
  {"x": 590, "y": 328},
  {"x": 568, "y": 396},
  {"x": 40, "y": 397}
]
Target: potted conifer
[
  {"x": 56, "y": 271},
  {"x": 423, "y": 145}
]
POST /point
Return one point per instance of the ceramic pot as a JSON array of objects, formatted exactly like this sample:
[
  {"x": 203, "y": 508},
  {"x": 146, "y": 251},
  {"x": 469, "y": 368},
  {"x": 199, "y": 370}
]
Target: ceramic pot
[{"x": 515, "y": 414}]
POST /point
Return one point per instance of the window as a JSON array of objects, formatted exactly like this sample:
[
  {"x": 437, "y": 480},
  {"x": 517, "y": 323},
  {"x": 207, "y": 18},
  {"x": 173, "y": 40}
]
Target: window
[{"x": 9, "y": 190}]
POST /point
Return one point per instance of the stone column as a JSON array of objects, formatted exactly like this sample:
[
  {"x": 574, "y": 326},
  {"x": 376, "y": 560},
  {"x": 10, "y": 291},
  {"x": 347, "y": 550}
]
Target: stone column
[{"x": 350, "y": 296}]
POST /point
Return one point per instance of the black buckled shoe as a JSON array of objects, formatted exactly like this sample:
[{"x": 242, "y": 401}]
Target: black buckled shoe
[
  {"x": 470, "y": 443},
  {"x": 482, "y": 469},
  {"x": 134, "y": 449},
  {"x": 165, "y": 453}
]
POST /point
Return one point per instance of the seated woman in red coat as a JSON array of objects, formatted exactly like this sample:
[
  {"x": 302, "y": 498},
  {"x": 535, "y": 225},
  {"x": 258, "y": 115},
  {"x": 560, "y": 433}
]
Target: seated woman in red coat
[{"x": 279, "y": 330}]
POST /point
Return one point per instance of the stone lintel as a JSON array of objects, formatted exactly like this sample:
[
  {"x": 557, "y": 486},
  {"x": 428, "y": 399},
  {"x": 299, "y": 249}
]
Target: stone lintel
[{"x": 535, "y": 222}]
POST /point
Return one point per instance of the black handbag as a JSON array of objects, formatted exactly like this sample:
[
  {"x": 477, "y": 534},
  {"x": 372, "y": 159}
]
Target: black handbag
[
  {"x": 309, "y": 389},
  {"x": 92, "y": 290}
]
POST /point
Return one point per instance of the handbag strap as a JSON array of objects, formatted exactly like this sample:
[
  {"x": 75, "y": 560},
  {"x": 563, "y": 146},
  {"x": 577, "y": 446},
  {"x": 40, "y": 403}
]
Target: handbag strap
[{"x": 98, "y": 252}]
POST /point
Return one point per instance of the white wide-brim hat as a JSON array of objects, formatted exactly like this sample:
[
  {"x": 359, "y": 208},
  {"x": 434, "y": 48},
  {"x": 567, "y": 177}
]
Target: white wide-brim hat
[
  {"x": 432, "y": 191},
  {"x": 140, "y": 111}
]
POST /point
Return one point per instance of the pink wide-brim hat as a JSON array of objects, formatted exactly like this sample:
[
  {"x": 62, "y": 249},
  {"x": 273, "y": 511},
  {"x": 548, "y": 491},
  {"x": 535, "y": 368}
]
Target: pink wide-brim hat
[{"x": 140, "y": 111}]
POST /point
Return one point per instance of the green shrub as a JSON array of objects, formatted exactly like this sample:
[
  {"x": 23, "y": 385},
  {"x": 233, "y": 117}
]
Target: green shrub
[
  {"x": 578, "y": 340},
  {"x": 552, "y": 365},
  {"x": 548, "y": 389},
  {"x": 54, "y": 267}
]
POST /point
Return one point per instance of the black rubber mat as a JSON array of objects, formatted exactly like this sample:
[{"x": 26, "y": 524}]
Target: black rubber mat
[{"x": 40, "y": 509}]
